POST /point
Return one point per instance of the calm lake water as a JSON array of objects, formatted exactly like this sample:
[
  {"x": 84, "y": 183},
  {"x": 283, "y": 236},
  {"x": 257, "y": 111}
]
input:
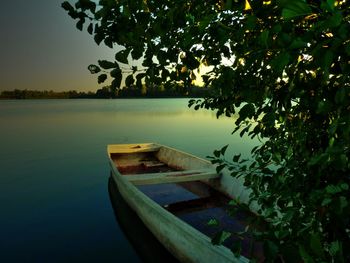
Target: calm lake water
[{"x": 55, "y": 205}]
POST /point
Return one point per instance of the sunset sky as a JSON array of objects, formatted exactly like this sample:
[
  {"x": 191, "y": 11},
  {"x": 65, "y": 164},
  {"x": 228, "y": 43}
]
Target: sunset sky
[{"x": 41, "y": 48}]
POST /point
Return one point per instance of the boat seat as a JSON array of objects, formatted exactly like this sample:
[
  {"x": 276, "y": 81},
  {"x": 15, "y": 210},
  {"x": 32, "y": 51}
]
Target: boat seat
[{"x": 172, "y": 177}]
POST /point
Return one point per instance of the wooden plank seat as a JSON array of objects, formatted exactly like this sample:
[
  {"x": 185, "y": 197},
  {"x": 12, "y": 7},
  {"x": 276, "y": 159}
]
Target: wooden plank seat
[
  {"x": 152, "y": 164},
  {"x": 189, "y": 206},
  {"x": 172, "y": 177}
]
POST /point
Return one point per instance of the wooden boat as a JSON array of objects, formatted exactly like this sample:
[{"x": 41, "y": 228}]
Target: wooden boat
[{"x": 175, "y": 194}]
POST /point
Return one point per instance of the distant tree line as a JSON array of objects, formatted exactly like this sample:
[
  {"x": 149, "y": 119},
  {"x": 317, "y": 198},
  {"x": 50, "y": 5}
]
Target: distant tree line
[
  {"x": 45, "y": 94},
  {"x": 151, "y": 91},
  {"x": 159, "y": 91}
]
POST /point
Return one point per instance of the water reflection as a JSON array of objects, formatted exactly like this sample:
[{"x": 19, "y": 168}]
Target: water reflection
[{"x": 148, "y": 248}]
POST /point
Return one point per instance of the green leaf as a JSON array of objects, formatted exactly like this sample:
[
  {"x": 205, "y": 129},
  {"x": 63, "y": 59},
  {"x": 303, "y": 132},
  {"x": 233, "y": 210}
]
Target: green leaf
[
  {"x": 318, "y": 158},
  {"x": 162, "y": 57},
  {"x": 90, "y": 28},
  {"x": 270, "y": 250},
  {"x": 340, "y": 95},
  {"x": 236, "y": 129},
  {"x": 326, "y": 201},
  {"x": 107, "y": 64},
  {"x": 215, "y": 161},
  {"x": 138, "y": 83},
  {"x": 205, "y": 21},
  {"x": 236, "y": 158},
  {"x": 116, "y": 73},
  {"x": 344, "y": 186},
  {"x": 264, "y": 36},
  {"x": 328, "y": 5},
  {"x": 341, "y": 162},
  {"x": 108, "y": 42},
  {"x": 237, "y": 248},
  {"x": 246, "y": 129},
  {"x": 122, "y": 56},
  {"x": 255, "y": 149},
  {"x": 143, "y": 17},
  {"x": 94, "y": 69},
  {"x": 129, "y": 80},
  {"x": 220, "y": 238},
  {"x": 316, "y": 245},
  {"x": 92, "y": 6},
  {"x": 80, "y": 24},
  {"x": 327, "y": 61},
  {"x": 342, "y": 203},
  {"x": 331, "y": 4},
  {"x": 277, "y": 28},
  {"x": 324, "y": 107},
  {"x": 280, "y": 234},
  {"x": 333, "y": 189},
  {"x": 78, "y": 4},
  {"x": 191, "y": 61},
  {"x": 304, "y": 255},
  {"x": 281, "y": 61},
  {"x": 137, "y": 52},
  {"x": 334, "y": 21},
  {"x": 220, "y": 167},
  {"x": 116, "y": 82},
  {"x": 233, "y": 202},
  {"x": 99, "y": 37},
  {"x": 295, "y": 8},
  {"x": 217, "y": 153},
  {"x": 250, "y": 22},
  {"x": 335, "y": 248},
  {"x": 277, "y": 157},
  {"x": 297, "y": 43},
  {"x": 213, "y": 222},
  {"x": 86, "y": 5},
  {"x": 223, "y": 149},
  {"x": 289, "y": 215},
  {"x": 67, "y": 6},
  {"x": 101, "y": 78},
  {"x": 247, "y": 111},
  {"x": 347, "y": 49},
  {"x": 139, "y": 78}
]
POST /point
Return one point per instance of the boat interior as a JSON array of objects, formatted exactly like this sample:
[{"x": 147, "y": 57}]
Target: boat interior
[
  {"x": 140, "y": 163},
  {"x": 193, "y": 201}
]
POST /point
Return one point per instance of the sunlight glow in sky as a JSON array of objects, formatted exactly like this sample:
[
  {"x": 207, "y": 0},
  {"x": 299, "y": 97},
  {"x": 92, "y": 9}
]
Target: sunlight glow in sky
[{"x": 41, "y": 49}]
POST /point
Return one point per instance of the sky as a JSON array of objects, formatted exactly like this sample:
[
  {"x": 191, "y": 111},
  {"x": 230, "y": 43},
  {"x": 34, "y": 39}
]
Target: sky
[{"x": 41, "y": 49}]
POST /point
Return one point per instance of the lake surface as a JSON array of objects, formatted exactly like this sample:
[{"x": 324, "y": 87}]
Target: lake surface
[{"x": 55, "y": 205}]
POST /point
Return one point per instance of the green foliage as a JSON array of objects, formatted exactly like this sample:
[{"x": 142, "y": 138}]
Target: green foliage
[
  {"x": 101, "y": 78},
  {"x": 129, "y": 80},
  {"x": 107, "y": 64},
  {"x": 283, "y": 66},
  {"x": 45, "y": 94},
  {"x": 295, "y": 8},
  {"x": 94, "y": 69},
  {"x": 213, "y": 222},
  {"x": 122, "y": 56},
  {"x": 220, "y": 237}
]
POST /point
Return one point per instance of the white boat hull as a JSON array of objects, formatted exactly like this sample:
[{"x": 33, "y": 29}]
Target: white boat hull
[{"x": 185, "y": 242}]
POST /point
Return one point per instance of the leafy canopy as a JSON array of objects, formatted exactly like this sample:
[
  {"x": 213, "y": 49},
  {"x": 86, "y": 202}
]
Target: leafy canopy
[{"x": 282, "y": 67}]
